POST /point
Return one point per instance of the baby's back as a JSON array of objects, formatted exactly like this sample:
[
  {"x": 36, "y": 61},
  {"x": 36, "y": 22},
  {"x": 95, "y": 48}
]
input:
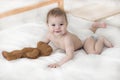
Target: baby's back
[{"x": 77, "y": 42}]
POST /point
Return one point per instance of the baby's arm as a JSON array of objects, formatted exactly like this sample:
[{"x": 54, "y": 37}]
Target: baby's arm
[
  {"x": 69, "y": 48},
  {"x": 69, "y": 53}
]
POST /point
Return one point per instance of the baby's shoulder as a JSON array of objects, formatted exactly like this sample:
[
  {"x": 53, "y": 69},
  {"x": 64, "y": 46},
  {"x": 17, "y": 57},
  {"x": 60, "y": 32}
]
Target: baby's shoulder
[
  {"x": 71, "y": 35},
  {"x": 68, "y": 36}
]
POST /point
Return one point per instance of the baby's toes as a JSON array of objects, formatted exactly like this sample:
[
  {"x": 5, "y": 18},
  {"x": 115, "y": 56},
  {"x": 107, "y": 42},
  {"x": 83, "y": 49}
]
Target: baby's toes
[{"x": 103, "y": 25}]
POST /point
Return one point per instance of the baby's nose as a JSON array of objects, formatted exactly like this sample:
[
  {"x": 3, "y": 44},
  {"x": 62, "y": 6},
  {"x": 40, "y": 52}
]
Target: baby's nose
[{"x": 57, "y": 27}]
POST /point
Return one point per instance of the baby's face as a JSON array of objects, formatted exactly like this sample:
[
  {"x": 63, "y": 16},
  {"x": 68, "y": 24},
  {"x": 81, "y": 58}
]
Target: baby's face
[{"x": 57, "y": 25}]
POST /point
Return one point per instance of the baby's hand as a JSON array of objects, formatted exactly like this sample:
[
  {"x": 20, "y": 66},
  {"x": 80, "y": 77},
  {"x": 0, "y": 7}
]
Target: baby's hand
[{"x": 55, "y": 65}]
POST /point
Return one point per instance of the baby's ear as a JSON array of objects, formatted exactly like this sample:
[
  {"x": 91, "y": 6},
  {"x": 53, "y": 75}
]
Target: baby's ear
[{"x": 48, "y": 25}]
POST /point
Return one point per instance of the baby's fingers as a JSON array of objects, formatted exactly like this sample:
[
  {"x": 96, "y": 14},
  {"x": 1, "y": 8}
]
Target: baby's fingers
[
  {"x": 50, "y": 65},
  {"x": 53, "y": 65}
]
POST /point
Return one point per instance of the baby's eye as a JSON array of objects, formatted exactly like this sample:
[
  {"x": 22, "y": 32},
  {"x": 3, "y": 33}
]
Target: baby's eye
[
  {"x": 61, "y": 24},
  {"x": 53, "y": 24}
]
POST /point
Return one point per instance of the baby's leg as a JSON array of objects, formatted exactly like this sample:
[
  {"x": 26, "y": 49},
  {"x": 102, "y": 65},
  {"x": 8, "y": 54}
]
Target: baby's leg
[
  {"x": 99, "y": 45},
  {"x": 97, "y": 25},
  {"x": 92, "y": 46},
  {"x": 89, "y": 45}
]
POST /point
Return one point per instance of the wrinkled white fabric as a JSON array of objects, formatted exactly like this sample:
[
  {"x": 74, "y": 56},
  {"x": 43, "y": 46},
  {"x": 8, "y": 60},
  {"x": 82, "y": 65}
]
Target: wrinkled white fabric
[
  {"x": 83, "y": 67},
  {"x": 26, "y": 29}
]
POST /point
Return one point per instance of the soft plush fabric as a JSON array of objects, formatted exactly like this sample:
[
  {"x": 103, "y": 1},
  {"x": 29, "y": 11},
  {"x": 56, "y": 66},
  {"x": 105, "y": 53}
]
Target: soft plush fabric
[
  {"x": 16, "y": 35},
  {"x": 82, "y": 67},
  {"x": 16, "y": 38}
]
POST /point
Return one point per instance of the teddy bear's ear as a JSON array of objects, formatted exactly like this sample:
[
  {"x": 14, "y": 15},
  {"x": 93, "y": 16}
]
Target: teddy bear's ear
[{"x": 44, "y": 48}]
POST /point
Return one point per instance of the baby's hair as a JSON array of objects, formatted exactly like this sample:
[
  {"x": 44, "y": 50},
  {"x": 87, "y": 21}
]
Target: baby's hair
[{"x": 56, "y": 12}]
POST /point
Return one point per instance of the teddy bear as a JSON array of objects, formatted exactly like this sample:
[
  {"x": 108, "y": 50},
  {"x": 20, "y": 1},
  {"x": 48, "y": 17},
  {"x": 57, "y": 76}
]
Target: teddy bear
[{"x": 43, "y": 49}]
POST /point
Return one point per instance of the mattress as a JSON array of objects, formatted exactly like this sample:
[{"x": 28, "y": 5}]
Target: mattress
[
  {"x": 19, "y": 33},
  {"x": 82, "y": 67}
]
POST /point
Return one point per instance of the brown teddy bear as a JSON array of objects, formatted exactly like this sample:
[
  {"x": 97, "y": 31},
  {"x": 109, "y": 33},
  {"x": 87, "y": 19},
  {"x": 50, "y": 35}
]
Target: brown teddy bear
[{"x": 43, "y": 49}]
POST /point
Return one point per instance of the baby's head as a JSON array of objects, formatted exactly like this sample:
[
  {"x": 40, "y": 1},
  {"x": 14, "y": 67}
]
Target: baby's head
[
  {"x": 56, "y": 12},
  {"x": 57, "y": 21}
]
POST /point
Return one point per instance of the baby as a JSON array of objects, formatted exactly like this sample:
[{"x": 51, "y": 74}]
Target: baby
[
  {"x": 58, "y": 34},
  {"x": 62, "y": 38}
]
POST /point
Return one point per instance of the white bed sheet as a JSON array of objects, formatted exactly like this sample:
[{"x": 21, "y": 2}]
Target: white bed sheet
[{"x": 83, "y": 67}]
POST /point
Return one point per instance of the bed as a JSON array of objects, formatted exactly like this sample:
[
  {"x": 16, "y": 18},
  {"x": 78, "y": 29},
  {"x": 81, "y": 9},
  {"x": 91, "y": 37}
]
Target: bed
[{"x": 83, "y": 67}]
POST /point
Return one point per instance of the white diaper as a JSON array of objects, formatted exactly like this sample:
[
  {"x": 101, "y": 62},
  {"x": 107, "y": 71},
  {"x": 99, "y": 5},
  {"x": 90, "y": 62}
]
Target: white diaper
[
  {"x": 94, "y": 36},
  {"x": 84, "y": 34}
]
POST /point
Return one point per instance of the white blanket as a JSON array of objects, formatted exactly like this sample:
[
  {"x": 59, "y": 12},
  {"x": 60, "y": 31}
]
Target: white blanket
[{"x": 83, "y": 67}]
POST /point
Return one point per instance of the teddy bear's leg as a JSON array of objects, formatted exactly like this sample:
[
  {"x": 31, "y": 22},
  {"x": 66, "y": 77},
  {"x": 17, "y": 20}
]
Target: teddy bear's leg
[
  {"x": 26, "y": 50},
  {"x": 31, "y": 53},
  {"x": 12, "y": 55},
  {"x": 45, "y": 49}
]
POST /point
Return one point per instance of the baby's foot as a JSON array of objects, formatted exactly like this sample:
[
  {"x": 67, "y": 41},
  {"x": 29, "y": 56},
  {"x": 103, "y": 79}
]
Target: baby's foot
[
  {"x": 99, "y": 25},
  {"x": 108, "y": 43}
]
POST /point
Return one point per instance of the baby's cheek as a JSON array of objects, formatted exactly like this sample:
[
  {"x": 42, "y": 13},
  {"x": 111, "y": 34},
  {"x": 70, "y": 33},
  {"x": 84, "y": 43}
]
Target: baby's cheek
[
  {"x": 64, "y": 30},
  {"x": 50, "y": 29}
]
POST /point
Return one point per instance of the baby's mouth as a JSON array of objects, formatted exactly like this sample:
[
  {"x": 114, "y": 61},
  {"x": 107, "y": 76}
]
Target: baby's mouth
[{"x": 57, "y": 31}]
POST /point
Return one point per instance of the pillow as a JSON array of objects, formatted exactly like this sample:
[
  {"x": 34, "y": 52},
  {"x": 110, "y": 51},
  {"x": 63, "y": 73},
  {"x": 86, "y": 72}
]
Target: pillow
[
  {"x": 76, "y": 23},
  {"x": 26, "y": 35},
  {"x": 113, "y": 21},
  {"x": 79, "y": 27}
]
